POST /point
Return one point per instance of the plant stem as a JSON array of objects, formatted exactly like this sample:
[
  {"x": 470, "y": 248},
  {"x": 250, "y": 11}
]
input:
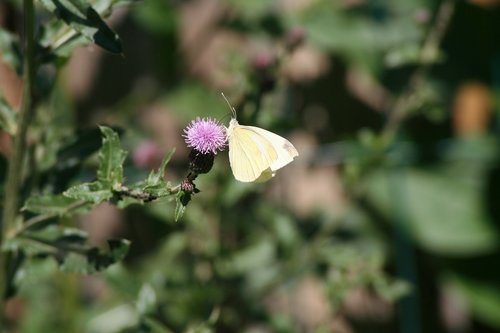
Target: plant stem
[{"x": 15, "y": 170}]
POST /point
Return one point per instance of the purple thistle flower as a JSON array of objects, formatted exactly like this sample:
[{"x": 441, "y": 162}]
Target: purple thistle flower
[{"x": 205, "y": 135}]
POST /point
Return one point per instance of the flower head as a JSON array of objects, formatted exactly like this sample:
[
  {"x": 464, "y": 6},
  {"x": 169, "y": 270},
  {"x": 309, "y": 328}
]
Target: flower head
[{"x": 205, "y": 135}]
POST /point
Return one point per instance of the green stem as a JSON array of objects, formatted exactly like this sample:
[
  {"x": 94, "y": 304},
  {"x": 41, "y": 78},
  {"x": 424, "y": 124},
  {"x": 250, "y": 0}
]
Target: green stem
[{"x": 15, "y": 171}]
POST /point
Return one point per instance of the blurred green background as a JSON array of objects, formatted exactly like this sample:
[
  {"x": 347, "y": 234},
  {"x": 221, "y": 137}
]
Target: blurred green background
[{"x": 389, "y": 220}]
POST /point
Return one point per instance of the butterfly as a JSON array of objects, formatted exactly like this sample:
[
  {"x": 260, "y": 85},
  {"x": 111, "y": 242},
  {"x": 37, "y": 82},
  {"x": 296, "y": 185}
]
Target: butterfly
[{"x": 255, "y": 154}]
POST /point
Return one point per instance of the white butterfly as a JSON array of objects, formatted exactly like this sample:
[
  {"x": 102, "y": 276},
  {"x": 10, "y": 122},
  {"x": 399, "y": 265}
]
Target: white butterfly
[{"x": 256, "y": 154}]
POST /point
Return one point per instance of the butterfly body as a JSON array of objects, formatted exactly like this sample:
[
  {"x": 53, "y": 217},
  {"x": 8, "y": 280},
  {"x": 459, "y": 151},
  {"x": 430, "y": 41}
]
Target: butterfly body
[{"x": 255, "y": 154}]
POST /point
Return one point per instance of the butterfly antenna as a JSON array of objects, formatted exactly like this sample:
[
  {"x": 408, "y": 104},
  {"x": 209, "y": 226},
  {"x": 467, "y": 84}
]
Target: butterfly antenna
[{"x": 233, "y": 110}]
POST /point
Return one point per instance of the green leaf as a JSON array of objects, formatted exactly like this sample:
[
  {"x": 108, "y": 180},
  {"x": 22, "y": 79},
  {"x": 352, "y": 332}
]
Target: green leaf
[
  {"x": 180, "y": 206},
  {"x": 49, "y": 240},
  {"x": 8, "y": 117},
  {"x": 51, "y": 204},
  {"x": 156, "y": 177},
  {"x": 81, "y": 145},
  {"x": 94, "y": 260},
  {"x": 146, "y": 300},
  {"x": 155, "y": 325},
  {"x": 85, "y": 20},
  {"x": 28, "y": 246},
  {"x": 111, "y": 158},
  {"x": 11, "y": 50},
  {"x": 95, "y": 192},
  {"x": 442, "y": 207},
  {"x": 483, "y": 297}
]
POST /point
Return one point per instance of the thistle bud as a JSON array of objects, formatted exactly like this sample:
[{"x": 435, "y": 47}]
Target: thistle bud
[
  {"x": 200, "y": 162},
  {"x": 187, "y": 186}
]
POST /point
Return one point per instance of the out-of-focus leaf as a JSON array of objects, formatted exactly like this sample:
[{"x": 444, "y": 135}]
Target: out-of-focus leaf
[
  {"x": 391, "y": 290},
  {"x": 11, "y": 51},
  {"x": 116, "y": 319},
  {"x": 251, "y": 10},
  {"x": 146, "y": 300},
  {"x": 86, "y": 20},
  {"x": 8, "y": 117},
  {"x": 442, "y": 208},
  {"x": 52, "y": 204},
  {"x": 361, "y": 39},
  {"x": 59, "y": 235},
  {"x": 483, "y": 298},
  {"x": 258, "y": 255},
  {"x": 94, "y": 260},
  {"x": 155, "y": 326},
  {"x": 28, "y": 246},
  {"x": 94, "y": 192},
  {"x": 48, "y": 241},
  {"x": 111, "y": 158},
  {"x": 157, "y": 16},
  {"x": 190, "y": 98}
]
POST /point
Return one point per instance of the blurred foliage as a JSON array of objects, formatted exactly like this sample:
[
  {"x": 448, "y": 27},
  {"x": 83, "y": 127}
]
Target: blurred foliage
[{"x": 417, "y": 213}]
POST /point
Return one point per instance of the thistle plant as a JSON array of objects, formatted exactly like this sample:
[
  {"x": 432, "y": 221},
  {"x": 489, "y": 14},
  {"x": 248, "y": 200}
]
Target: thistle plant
[{"x": 205, "y": 137}]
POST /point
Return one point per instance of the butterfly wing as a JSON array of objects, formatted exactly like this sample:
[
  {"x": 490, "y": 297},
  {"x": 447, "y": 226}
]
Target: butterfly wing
[
  {"x": 250, "y": 154},
  {"x": 255, "y": 154},
  {"x": 285, "y": 150}
]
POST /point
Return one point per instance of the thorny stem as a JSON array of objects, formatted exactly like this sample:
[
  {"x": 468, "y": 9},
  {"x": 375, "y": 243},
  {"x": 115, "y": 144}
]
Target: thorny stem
[
  {"x": 123, "y": 191},
  {"x": 142, "y": 195},
  {"x": 15, "y": 170},
  {"x": 428, "y": 53}
]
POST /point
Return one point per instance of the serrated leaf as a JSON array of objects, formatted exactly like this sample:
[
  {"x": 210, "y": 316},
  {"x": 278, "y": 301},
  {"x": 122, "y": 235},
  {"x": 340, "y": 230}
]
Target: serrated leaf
[
  {"x": 59, "y": 236},
  {"x": 50, "y": 204},
  {"x": 70, "y": 157},
  {"x": 85, "y": 20},
  {"x": 28, "y": 246},
  {"x": 82, "y": 145},
  {"x": 95, "y": 192},
  {"x": 11, "y": 50},
  {"x": 8, "y": 117},
  {"x": 111, "y": 158},
  {"x": 155, "y": 177},
  {"x": 50, "y": 240}
]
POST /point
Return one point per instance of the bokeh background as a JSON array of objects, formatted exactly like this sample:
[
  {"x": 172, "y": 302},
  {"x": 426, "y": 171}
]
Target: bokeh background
[{"x": 388, "y": 221}]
